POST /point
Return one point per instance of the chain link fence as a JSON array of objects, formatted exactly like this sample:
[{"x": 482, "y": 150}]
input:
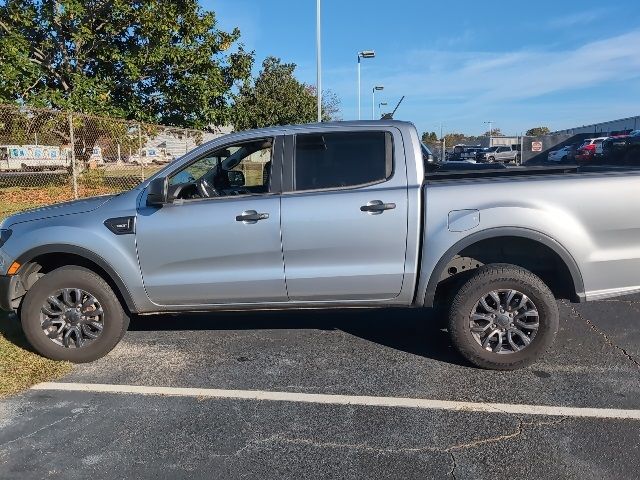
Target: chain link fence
[{"x": 49, "y": 156}]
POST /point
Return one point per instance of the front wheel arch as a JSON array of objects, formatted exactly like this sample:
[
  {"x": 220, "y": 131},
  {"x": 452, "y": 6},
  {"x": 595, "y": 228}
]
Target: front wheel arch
[{"x": 54, "y": 256}]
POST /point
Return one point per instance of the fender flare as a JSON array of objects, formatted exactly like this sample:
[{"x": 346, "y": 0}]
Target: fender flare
[
  {"x": 555, "y": 246},
  {"x": 29, "y": 255}
]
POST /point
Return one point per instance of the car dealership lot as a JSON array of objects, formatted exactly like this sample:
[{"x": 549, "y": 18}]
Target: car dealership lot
[{"x": 595, "y": 363}]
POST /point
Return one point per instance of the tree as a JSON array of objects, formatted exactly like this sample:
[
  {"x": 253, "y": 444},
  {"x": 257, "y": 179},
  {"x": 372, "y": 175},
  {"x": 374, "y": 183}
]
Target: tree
[
  {"x": 538, "y": 131},
  {"x": 429, "y": 137},
  {"x": 452, "y": 139},
  {"x": 276, "y": 97},
  {"x": 495, "y": 132},
  {"x": 147, "y": 60}
]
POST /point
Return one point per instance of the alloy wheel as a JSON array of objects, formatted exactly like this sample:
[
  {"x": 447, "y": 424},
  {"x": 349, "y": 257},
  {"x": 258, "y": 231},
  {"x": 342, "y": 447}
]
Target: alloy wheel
[
  {"x": 504, "y": 321},
  {"x": 72, "y": 317}
]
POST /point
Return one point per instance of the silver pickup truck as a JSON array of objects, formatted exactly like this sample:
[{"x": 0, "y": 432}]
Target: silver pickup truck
[
  {"x": 324, "y": 216},
  {"x": 500, "y": 153}
]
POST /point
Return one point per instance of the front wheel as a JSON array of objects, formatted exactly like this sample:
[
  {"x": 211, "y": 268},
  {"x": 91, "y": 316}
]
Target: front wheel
[
  {"x": 72, "y": 314},
  {"x": 503, "y": 317}
]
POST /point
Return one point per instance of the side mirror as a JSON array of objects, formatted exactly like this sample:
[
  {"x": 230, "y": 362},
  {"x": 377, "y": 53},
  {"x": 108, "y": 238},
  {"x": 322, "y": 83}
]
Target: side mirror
[
  {"x": 236, "y": 178},
  {"x": 157, "y": 192}
]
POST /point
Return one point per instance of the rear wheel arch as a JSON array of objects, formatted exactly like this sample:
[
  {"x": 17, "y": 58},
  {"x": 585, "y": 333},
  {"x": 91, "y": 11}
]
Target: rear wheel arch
[
  {"x": 49, "y": 257},
  {"x": 570, "y": 284}
]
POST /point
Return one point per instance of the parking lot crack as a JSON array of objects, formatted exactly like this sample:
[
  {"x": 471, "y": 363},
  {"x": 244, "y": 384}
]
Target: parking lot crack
[
  {"x": 452, "y": 473},
  {"x": 520, "y": 428},
  {"x": 364, "y": 447},
  {"x": 606, "y": 337},
  {"x": 28, "y": 435}
]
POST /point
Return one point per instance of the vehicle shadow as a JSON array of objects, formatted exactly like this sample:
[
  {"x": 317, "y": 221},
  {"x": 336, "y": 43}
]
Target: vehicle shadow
[{"x": 416, "y": 331}]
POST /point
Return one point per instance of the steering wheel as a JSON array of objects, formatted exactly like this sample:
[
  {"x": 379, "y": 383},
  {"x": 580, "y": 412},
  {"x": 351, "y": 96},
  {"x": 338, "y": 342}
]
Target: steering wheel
[{"x": 205, "y": 189}]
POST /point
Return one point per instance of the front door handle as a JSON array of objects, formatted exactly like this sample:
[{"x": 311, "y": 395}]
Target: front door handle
[
  {"x": 376, "y": 207},
  {"x": 251, "y": 216}
]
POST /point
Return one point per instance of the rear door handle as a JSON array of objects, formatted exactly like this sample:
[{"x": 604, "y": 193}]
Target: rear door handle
[
  {"x": 377, "y": 207},
  {"x": 251, "y": 216}
]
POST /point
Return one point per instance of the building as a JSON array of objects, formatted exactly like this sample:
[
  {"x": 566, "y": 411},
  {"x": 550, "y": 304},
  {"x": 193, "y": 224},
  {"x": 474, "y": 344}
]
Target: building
[
  {"x": 499, "y": 141},
  {"x": 176, "y": 142},
  {"x": 601, "y": 129}
]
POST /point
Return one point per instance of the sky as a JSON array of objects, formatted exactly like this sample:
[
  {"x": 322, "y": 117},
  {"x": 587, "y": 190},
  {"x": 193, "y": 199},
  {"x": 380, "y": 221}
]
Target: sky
[{"x": 459, "y": 63}]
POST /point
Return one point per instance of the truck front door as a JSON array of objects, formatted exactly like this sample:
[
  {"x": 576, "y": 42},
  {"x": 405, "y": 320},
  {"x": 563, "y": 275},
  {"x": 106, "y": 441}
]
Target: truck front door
[
  {"x": 219, "y": 242},
  {"x": 344, "y": 215}
]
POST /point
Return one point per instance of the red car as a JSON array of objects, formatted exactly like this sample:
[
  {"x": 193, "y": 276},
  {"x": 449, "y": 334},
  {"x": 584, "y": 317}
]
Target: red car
[{"x": 587, "y": 150}]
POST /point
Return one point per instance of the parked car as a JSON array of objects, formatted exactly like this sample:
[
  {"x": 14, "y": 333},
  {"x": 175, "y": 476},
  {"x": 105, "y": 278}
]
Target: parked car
[
  {"x": 623, "y": 149},
  {"x": 560, "y": 155},
  {"x": 324, "y": 216},
  {"x": 151, "y": 155},
  {"x": 573, "y": 151},
  {"x": 464, "y": 153},
  {"x": 502, "y": 153},
  {"x": 587, "y": 150},
  {"x": 470, "y": 153}
]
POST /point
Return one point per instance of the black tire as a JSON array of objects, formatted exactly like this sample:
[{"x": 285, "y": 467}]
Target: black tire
[
  {"x": 502, "y": 277},
  {"x": 491, "y": 159},
  {"x": 115, "y": 322}
]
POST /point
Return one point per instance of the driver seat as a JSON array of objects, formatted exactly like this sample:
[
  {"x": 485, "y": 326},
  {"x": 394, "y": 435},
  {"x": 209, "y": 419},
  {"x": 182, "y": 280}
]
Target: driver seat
[
  {"x": 266, "y": 176},
  {"x": 221, "y": 181}
]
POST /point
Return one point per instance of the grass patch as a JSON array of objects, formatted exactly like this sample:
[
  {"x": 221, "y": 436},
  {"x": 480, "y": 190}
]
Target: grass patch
[{"x": 19, "y": 367}]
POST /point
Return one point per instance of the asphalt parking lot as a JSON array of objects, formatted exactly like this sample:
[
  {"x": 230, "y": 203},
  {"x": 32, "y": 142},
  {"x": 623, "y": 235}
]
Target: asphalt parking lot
[{"x": 404, "y": 354}]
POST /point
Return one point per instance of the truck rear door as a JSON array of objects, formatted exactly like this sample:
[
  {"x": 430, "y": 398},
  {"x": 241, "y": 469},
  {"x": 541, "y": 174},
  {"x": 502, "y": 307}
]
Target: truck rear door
[{"x": 344, "y": 215}]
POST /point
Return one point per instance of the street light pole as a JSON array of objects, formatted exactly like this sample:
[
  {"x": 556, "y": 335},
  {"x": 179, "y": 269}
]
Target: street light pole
[
  {"x": 444, "y": 147},
  {"x": 359, "y": 86},
  {"x": 490, "y": 122},
  {"x": 380, "y": 105},
  {"x": 373, "y": 100},
  {"x": 362, "y": 54},
  {"x": 319, "y": 60}
]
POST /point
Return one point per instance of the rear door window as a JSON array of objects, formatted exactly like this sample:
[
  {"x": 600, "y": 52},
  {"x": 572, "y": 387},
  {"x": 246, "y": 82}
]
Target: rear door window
[{"x": 342, "y": 159}]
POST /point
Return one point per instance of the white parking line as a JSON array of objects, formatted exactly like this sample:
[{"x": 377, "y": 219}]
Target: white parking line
[{"x": 369, "y": 401}]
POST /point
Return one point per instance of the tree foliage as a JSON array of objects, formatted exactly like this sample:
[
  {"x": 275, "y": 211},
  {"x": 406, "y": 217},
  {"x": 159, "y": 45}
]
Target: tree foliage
[
  {"x": 429, "y": 137},
  {"x": 495, "y": 132},
  {"x": 149, "y": 60},
  {"x": 452, "y": 139},
  {"x": 276, "y": 97},
  {"x": 538, "y": 131}
]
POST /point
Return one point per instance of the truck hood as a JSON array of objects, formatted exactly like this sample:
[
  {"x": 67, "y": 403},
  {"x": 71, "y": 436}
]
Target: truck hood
[{"x": 67, "y": 208}]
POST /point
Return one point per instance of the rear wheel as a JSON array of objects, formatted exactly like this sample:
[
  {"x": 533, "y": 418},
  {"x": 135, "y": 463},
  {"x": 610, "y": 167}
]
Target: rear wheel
[
  {"x": 503, "y": 317},
  {"x": 491, "y": 159},
  {"x": 72, "y": 314}
]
